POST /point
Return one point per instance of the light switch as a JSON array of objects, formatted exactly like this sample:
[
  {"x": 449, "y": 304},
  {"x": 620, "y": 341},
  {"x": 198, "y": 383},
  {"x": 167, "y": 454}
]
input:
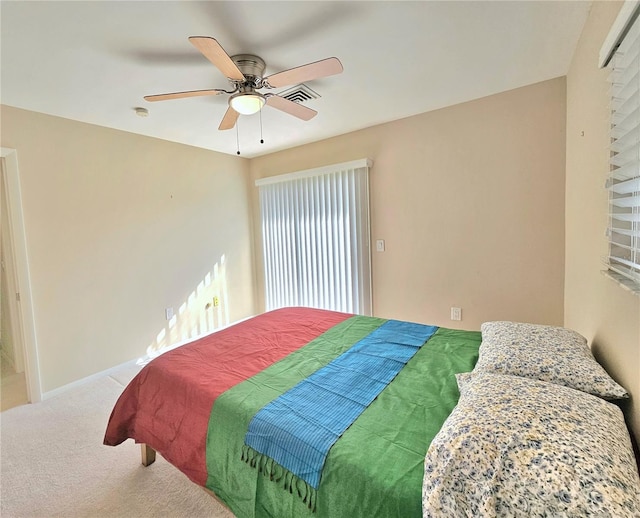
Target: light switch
[{"x": 380, "y": 245}]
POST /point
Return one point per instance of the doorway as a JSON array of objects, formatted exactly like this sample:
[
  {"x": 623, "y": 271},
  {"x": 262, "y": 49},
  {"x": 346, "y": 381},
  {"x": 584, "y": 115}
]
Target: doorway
[
  {"x": 19, "y": 370},
  {"x": 12, "y": 377}
]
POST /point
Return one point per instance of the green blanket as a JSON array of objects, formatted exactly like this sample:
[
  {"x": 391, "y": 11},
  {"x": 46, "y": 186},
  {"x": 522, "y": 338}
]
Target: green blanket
[{"x": 375, "y": 469}]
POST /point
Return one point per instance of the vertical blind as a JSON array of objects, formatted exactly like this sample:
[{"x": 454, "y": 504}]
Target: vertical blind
[
  {"x": 623, "y": 182},
  {"x": 315, "y": 234}
]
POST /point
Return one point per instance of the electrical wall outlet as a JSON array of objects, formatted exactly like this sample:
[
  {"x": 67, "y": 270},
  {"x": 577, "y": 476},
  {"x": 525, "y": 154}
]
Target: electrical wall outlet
[
  {"x": 216, "y": 301},
  {"x": 456, "y": 313}
]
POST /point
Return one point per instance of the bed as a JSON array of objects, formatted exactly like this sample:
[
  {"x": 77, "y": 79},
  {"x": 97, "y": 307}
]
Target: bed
[
  {"x": 193, "y": 405},
  {"x": 306, "y": 412}
]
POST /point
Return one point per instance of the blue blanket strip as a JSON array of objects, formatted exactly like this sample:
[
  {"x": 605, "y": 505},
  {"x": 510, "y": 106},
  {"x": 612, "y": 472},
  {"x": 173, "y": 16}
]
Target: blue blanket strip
[{"x": 298, "y": 428}]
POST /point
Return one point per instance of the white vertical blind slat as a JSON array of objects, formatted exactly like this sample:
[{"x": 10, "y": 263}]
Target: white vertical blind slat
[
  {"x": 315, "y": 265},
  {"x": 359, "y": 236},
  {"x": 350, "y": 253},
  {"x": 281, "y": 277},
  {"x": 344, "y": 302},
  {"x": 309, "y": 244}
]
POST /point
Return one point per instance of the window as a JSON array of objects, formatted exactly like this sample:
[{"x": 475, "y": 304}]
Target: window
[
  {"x": 315, "y": 234},
  {"x": 623, "y": 183}
]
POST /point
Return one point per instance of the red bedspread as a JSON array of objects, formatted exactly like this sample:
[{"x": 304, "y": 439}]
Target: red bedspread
[{"x": 168, "y": 404}]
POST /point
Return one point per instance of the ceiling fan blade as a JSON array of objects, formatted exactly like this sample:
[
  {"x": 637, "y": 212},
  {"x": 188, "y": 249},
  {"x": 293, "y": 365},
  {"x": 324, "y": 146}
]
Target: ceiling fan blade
[
  {"x": 287, "y": 106},
  {"x": 308, "y": 72},
  {"x": 214, "y": 52},
  {"x": 229, "y": 119},
  {"x": 182, "y": 95}
]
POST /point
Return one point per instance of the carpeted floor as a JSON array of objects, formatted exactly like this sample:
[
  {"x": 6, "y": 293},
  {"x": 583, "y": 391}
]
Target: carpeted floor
[{"x": 53, "y": 463}]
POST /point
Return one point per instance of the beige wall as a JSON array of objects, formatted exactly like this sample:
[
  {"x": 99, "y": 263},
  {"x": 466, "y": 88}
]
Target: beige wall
[
  {"x": 470, "y": 201},
  {"x": 120, "y": 227},
  {"x": 594, "y": 305}
]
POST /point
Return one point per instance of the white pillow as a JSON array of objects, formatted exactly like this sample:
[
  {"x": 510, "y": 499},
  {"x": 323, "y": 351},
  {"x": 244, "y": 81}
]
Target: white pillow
[{"x": 545, "y": 353}]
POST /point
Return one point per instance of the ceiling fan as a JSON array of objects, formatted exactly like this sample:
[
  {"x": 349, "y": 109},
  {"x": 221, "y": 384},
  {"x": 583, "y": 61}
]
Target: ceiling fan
[{"x": 245, "y": 73}]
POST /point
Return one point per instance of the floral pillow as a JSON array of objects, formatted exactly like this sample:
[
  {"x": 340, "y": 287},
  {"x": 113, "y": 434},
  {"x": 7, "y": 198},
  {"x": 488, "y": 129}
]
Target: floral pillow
[
  {"x": 515, "y": 447},
  {"x": 545, "y": 353}
]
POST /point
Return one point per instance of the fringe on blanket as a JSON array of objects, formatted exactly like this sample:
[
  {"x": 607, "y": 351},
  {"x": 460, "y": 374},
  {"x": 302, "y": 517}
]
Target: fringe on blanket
[{"x": 281, "y": 476}]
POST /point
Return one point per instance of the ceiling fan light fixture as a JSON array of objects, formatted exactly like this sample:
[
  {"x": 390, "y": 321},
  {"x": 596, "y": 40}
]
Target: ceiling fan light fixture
[{"x": 247, "y": 103}]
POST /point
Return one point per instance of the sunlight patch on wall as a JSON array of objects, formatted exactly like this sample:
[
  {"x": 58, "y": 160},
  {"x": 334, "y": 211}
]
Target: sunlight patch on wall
[{"x": 205, "y": 309}]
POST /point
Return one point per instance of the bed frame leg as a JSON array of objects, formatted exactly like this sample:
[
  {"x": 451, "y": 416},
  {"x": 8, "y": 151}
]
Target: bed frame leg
[{"x": 148, "y": 454}]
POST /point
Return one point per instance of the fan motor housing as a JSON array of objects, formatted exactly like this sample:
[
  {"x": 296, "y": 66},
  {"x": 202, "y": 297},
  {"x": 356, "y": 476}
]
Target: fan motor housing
[{"x": 249, "y": 64}]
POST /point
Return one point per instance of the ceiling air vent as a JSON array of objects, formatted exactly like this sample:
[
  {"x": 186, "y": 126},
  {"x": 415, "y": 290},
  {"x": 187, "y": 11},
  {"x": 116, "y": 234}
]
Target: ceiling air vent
[{"x": 299, "y": 94}]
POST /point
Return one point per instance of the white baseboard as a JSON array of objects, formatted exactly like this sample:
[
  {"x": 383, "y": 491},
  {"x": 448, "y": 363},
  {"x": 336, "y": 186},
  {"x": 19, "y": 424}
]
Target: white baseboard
[{"x": 82, "y": 381}]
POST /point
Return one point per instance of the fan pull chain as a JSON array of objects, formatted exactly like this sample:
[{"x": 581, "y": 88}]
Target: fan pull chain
[
  {"x": 237, "y": 138},
  {"x": 261, "y": 140}
]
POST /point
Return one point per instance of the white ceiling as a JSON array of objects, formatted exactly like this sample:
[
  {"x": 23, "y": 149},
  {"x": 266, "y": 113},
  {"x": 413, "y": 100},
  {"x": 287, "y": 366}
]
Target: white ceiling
[{"x": 93, "y": 61}]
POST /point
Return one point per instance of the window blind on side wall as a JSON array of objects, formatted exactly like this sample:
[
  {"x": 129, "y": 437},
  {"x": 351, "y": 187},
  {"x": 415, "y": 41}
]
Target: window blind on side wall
[
  {"x": 623, "y": 182},
  {"x": 315, "y": 234}
]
